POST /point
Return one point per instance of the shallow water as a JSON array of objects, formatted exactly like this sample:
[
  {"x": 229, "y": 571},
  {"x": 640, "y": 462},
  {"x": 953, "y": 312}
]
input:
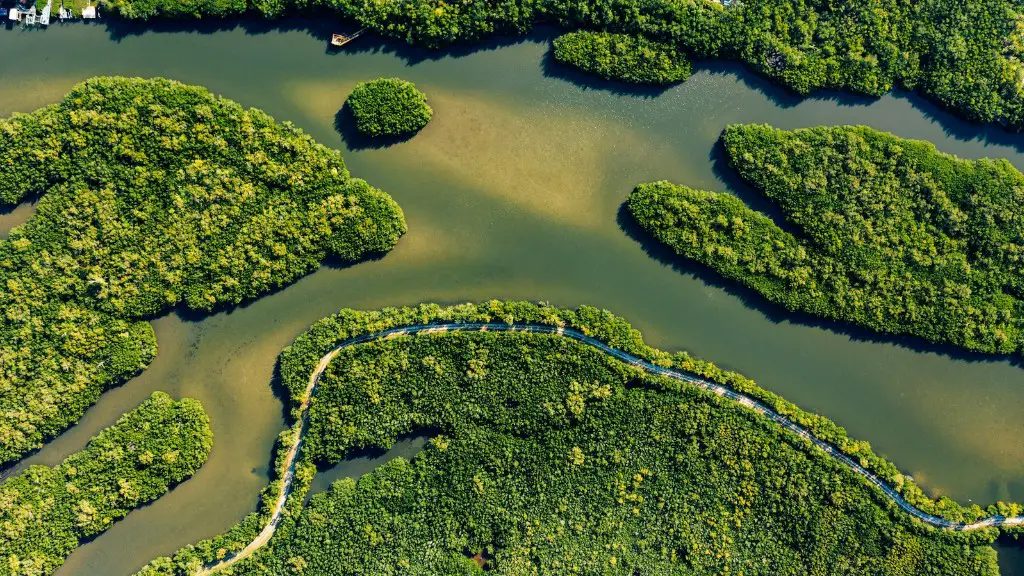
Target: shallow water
[
  {"x": 362, "y": 463},
  {"x": 514, "y": 190}
]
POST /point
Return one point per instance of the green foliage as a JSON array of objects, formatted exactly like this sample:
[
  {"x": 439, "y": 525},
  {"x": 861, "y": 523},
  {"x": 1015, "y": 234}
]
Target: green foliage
[
  {"x": 964, "y": 54},
  {"x": 892, "y": 235},
  {"x": 514, "y": 408},
  {"x": 153, "y": 193},
  {"x": 554, "y": 458},
  {"x": 622, "y": 57},
  {"x": 389, "y": 107},
  {"x": 45, "y": 512}
]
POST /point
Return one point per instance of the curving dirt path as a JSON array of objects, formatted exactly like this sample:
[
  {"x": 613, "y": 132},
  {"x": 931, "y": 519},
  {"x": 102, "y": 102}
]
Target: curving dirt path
[{"x": 753, "y": 404}]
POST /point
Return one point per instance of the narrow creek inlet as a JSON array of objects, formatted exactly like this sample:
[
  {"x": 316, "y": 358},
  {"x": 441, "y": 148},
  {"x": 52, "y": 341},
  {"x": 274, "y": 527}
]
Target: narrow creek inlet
[{"x": 514, "y": 191}]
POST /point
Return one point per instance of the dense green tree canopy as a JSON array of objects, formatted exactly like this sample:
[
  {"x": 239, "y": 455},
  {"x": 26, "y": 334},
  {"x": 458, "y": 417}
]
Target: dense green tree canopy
[
  {"x": 553, "y": 458},
  {"x": 153, "y": 193},
  {"x": 890, "y": 233},
  {"x": 964, "y": 54},
  {"x": 622, "y": 57},
  {"x": 45, "y": 512},
  {"x": 389, "y": 107},
  {"x": 537, "y": 444}
]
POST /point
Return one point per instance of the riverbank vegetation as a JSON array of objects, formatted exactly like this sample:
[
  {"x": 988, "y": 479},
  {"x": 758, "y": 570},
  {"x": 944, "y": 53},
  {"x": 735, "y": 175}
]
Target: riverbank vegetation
[
  {"x": 552, "y": 455},
  {"x": 152, "y": 194},
  {"x": 889, "y": 233},
  {"x": 965, "y": 55},
  {"x": 46, "y": 512},
  {"x": 633, "y": 59},
  {"x": 389, "y": 107}
]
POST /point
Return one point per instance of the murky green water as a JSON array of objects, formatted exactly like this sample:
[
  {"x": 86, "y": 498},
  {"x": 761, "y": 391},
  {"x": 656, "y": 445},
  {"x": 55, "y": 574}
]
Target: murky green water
[{"x": 514, "y": 191}]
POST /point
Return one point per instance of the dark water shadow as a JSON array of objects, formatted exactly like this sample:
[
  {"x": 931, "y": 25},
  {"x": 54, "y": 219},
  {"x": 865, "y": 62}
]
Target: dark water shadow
[
  {"x": 318, "y": 24},
  {"x": 952, "y": 125},
  {"x": 31, "y": 200},
  {"x": 959, "y": 128},
  {"x": 552, "y": 68},
  {"x": 779, "y": 314},
  {"x": 281, "y": 392},
  {"x": 778, "y": 94},
  {"x": 345, "y": 124},
  {"x": 363, "y": 461},
  {"x": 737, "y": 186},
  {"x": 412, "y": 54},
  {"x": 1010, "y": 550}
]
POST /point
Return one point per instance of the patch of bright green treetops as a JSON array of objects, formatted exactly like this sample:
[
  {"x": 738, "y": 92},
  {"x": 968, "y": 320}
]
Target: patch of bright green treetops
[
  {"x": 622, "y": 57},
  {"x": 46, "y": 512},
  {"x": 963, "y": 54},
  {"x": 388, "y": 107},
  {"x": 888, "y": 233},
  {"x": 548, "y": 456},
  {"x": 152, "y": 194}
]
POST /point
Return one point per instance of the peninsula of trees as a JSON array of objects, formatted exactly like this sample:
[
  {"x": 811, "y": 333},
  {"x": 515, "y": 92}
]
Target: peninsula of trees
[
  {"x": 46, "y": 512},
  {"x": 152, "y": 194},
  {"x": 963, "y": 54},
  {"x": 549, "y": 456},
  {"x": 887, "y": 233}
]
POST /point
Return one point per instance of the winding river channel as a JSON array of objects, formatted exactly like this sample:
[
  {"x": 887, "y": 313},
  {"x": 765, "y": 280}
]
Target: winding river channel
[{"x": 514, "y": 191}]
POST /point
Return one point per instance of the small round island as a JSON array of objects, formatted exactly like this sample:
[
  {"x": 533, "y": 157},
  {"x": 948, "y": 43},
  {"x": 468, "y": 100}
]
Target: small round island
[{"x": 389, "y": 107}]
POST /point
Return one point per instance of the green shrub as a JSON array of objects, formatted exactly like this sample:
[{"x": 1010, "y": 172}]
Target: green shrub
[
  {"x": 153, "y": 194},
  {"x": 889, "y": 233},
  {"x": 622, "y": 57},
  {"x": 47, "y": 512},
  {"x": 389, "y": 107}
]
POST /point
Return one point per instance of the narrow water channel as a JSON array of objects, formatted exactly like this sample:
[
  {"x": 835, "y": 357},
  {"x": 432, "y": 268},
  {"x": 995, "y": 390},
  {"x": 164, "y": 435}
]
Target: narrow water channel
[{"x": 514, "y": 191}]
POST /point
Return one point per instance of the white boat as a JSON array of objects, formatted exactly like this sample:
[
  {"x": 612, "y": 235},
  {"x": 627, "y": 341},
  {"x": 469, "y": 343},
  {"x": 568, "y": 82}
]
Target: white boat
[
  {"x": 44, "y": 17},
  {"x": 89, "y": 12}
]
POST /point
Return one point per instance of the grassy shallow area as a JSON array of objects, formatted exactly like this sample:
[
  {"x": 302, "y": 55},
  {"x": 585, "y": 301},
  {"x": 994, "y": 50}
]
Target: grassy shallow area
[
  {"x": 46, "y": 512},
  {"x": 889, "y": 233},
  {"x": 547, "y": 455},
  {"x": 152, "y": 194}
]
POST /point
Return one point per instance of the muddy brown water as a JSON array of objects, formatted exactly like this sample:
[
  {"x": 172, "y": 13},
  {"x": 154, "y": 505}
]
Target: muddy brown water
[{"x": 514, "y": 190}]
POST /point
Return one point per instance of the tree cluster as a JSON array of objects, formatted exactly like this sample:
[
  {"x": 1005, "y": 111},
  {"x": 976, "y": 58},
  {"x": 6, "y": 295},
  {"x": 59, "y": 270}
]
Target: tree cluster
[
  {"x": 388, "y": 107},
  {"x": 534, "y": 436},
  {"x": 963, "y": 54},
  {"x": 46, "y": 512},
  {"x": 550, "y": 457},
  {"x": 888, "y": 233},
  {"x": 152, "y": 194},
  {"x": 633, "y": 59}
]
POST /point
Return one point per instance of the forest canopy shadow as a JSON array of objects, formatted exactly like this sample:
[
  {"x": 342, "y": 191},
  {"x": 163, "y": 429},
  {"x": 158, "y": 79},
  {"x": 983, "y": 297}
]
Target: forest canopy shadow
[
  {"x": 345, "y": 124},
  {"x": 252, "y": 24}
]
